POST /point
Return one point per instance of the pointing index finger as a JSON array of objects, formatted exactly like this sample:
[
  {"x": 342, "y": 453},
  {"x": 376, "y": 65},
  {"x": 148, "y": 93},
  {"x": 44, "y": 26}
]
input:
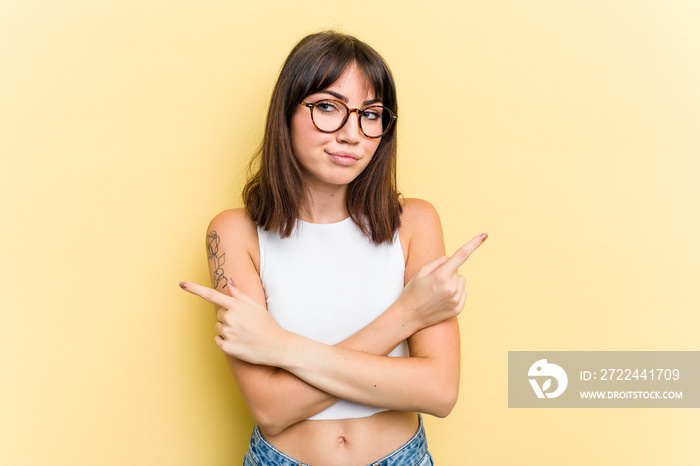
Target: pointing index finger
[
  {"x": 207, "y": 294},
  {"x": 462, "y": 254}
]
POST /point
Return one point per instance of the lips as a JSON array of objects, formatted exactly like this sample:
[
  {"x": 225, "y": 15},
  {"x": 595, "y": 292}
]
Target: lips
[{"x": 343, "y": 158}]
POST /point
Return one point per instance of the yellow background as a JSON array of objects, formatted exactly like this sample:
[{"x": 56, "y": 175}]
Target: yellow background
[{"x": 567, "y": 130}]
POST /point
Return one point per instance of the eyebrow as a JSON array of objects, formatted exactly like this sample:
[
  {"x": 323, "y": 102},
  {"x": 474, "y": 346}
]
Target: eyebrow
[{"x": 344, "y": 99}]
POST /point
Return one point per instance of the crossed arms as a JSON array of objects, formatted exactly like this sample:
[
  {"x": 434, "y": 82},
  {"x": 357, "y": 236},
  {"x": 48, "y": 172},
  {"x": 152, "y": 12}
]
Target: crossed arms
[{"x": 285, "y": 378}]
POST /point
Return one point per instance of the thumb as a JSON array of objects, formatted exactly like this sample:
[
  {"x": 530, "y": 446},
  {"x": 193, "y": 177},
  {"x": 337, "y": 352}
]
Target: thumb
[
  {"x": 236, "y": 292},
  {"x": 428, "y": 268}
]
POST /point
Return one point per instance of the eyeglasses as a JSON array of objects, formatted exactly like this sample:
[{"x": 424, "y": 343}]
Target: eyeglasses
[{"x": 329, "y": 115}]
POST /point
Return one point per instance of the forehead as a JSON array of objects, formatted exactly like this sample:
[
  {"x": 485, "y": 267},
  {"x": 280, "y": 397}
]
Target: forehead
[{"x": 354, "y": 83}]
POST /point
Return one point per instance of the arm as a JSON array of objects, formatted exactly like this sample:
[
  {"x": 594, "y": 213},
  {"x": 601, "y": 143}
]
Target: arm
[{"x": 274, "y": 397}]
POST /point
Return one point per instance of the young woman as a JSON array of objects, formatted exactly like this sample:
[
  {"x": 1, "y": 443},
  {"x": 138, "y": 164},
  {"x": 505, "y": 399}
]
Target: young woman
[{"x": 336, "y": 306}]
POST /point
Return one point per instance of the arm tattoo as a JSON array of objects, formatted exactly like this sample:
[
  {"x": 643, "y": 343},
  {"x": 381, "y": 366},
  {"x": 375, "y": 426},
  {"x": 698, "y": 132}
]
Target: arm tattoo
[{"x": 217, "y": 261}]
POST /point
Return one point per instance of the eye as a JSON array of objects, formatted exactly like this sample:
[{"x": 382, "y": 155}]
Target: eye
[
  {"x": 328, "y": 106},
  {"x": 372, "y": 113}
]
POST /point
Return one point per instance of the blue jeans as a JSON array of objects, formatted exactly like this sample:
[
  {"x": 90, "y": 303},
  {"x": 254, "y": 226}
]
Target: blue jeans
[{"x": 412, "y": 453}]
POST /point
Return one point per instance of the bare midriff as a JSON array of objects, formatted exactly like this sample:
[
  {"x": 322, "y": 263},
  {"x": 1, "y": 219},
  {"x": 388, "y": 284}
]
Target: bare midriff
[{"x": 346, "y": 442}]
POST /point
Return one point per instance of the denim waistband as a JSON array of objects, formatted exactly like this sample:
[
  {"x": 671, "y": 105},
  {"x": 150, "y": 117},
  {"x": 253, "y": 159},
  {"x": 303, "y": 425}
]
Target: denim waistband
[{"x": 412, "y": 453}]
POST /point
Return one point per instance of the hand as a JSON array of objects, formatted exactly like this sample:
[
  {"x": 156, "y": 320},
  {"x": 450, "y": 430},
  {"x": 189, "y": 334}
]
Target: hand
[
  {"x": 245, "y": 329},
  {"x": 437, "y": 291}
]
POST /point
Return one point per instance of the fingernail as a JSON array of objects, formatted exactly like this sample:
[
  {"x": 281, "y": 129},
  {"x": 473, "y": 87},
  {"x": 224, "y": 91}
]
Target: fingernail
[
  {"x": 183, "y": 285},
  {"x": 231, "y": 282},
  {"x": 483, "y": 237}
]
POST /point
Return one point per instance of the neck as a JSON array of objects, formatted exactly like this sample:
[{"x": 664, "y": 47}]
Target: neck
[{"x": 325, "y": 205}]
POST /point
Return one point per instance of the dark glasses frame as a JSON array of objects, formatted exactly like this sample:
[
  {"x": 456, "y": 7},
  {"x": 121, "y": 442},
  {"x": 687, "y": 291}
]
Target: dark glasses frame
[{"x": 392, "y": 116}]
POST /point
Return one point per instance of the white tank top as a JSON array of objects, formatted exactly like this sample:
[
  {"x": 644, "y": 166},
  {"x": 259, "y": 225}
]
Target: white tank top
[{"x": 328, "y": 281}]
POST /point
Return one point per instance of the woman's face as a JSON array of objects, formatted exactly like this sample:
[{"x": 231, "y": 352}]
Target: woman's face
[{"x": 334, "y": 159}]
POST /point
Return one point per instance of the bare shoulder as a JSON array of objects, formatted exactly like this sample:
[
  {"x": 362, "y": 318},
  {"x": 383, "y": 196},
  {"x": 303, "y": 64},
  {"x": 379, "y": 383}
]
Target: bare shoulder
[
  {"x": 420, "y": 234},
  {"x": 234, "y": 225},
  {"x": 232, "y": 248},
  {"x": 419, "y": 221},
  {"x": 417, "y": 213}
]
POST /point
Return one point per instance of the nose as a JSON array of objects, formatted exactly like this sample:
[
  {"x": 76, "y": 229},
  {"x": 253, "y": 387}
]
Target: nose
[{"x": 350, "y": 132}]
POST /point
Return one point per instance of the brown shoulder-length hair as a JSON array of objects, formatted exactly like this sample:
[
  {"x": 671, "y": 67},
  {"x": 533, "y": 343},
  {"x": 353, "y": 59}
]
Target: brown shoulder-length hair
[{"x": 275, "y": 190}]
